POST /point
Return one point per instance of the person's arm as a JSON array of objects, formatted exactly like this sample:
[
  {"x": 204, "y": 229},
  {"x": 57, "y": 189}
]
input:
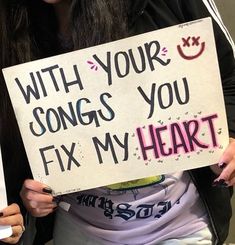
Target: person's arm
[{"x": 11, "y": 216}]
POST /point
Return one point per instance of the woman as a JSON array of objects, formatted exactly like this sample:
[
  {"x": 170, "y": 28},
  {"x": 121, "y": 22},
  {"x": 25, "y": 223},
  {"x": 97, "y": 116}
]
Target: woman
[{"x": 191, "y": 211}]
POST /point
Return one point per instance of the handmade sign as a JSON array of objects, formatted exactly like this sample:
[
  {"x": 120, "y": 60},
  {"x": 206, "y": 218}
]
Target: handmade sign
[
  {"x": 137, "y": 107},
  {"x": 5, "y": 231}
]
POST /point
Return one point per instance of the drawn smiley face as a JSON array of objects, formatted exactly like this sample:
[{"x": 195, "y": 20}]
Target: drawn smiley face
[{"x": 189, "y": 42}]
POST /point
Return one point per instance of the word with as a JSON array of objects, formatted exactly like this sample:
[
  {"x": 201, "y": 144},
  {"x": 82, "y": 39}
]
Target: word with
[
  {"x": 51, "y": 74},
  {"x": 166, "y": 92},
  {"x": 124, "y": 211},
  {"x": 53, "y": 120},
  {"x": 124, "y": 60},
  {"x": 184, "y": 137}
]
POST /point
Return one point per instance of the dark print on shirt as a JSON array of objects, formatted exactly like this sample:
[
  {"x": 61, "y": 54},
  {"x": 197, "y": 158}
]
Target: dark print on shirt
[{"x": 125, "y": 210}]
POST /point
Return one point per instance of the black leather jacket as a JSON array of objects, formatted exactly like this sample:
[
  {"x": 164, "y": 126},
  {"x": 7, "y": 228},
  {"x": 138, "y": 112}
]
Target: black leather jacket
[{"x": 148, "y": 15}]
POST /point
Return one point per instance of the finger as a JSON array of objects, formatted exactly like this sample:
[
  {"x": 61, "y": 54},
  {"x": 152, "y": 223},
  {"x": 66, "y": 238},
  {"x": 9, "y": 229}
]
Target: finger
[
  {"x": 36, "y": 186},
  {"x": 228, "y": 172},
  {"x": 11, "y": 240},
  {"x": 42, "y": 212},
  {"x": 11, "y": 220},
  {"x": 42, "y": 205},
  {"x": 229, "y": 153},
  {"x": 17, "y": 232},
  {"x": 10, "y": 210},
  {"x": 37, "y": 197},
  {"x": 231, "y": 182}
]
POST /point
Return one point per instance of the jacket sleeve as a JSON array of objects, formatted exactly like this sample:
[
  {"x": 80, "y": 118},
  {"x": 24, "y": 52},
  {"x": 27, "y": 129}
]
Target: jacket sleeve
[{"x": 196, "y": 9}]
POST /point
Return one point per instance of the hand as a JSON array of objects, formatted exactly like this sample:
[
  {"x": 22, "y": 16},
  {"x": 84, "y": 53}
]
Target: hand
[
  {"x": 12, "y": 216},
  {"x": 227, "y": 166},
  {"x": 37, "y": 198}
]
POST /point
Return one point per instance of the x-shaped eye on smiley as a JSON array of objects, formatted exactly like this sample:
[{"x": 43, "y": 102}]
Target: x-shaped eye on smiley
[
  {"x": 188, "y": 43},
  {"x": 195, "y": 41}
]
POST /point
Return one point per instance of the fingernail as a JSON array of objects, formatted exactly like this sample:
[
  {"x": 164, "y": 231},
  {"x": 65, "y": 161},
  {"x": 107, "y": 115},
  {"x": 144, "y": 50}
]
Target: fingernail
[
  {"x": 220, "y": 183},
  {"x": 1, "y": 214},
  {"x": 47, "y": 190},
  {"x": 222, "y": 165}
]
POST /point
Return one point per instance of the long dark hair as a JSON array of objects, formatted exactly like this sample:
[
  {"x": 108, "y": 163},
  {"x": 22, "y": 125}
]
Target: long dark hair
[
  {"x": 28, "y": 31},
  {"x": 34, "y": 32}
]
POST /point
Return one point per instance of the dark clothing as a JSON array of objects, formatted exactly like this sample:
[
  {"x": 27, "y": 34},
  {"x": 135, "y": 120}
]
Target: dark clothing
[
  {"x": 155, "y": 14},
  {"x": 149, "y": 15}
]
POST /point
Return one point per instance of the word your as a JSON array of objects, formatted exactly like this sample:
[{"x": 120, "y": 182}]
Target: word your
[
  {"x": 184, "y": 137},
  {"x": 124, "y": 60}
]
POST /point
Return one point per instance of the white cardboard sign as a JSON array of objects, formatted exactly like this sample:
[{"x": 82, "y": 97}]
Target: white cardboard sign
[{"x": 141, "y": 106}]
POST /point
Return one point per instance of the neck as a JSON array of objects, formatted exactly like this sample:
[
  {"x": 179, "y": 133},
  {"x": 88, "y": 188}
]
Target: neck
[{"x": 62, "y": 14}]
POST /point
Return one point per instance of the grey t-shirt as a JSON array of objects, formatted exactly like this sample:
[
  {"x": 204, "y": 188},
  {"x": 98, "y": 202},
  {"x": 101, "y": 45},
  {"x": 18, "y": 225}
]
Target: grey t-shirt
[{"x": 149, "y": 210}]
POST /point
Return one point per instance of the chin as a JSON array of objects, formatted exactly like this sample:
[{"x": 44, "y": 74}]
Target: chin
[{"x": 52, "y": 1}]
